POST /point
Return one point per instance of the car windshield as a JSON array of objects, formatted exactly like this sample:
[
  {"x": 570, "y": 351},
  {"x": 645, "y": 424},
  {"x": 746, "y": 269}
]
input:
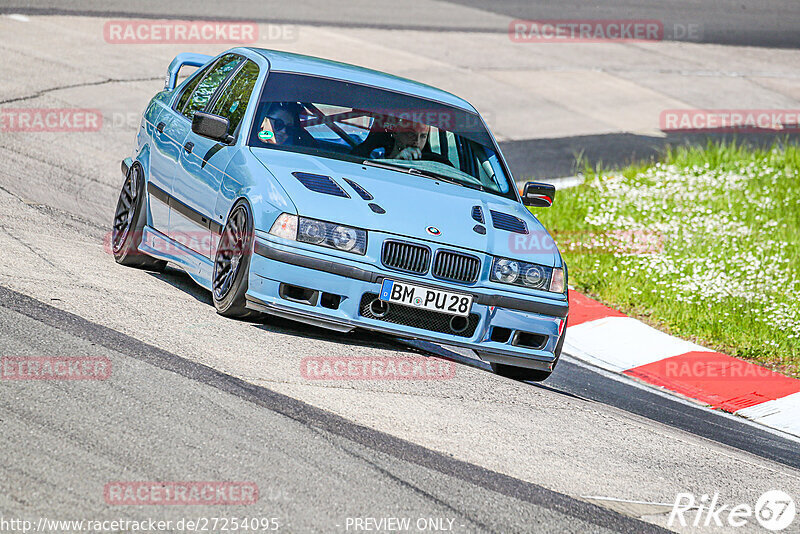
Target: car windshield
[{"x": 344, "y": 120}]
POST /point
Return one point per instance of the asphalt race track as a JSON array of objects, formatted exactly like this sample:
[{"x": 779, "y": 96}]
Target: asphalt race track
[
  {"x": 216, "y": 426},
  {"x": 771, "y": 23},
  {"x": 196, "y": 397}
]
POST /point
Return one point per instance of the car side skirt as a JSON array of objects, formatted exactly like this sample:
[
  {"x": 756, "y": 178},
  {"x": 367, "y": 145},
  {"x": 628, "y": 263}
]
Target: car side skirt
[{"x": 157, "y": 245}]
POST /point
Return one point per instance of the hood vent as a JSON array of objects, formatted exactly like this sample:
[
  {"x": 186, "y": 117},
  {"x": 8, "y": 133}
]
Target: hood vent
[
  {"x": 504, "y": 221},
  {"x": 363, "y": 193},
  {"x": 320, "y": 183},
  {"x": 477, "y": 214}
]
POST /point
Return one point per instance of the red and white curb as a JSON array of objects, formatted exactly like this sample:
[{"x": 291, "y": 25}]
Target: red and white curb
[{"x": 608, "y": 339}]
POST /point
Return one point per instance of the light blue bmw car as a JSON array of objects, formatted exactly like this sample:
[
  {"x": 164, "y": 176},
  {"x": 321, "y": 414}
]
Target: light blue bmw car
[{"x": 343, "y": 198}]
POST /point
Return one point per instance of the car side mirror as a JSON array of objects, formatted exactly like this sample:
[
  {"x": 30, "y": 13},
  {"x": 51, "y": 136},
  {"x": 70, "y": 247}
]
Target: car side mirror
[
  {"x": 539, "y": 194},
  {"x": 212, "y": 126}
]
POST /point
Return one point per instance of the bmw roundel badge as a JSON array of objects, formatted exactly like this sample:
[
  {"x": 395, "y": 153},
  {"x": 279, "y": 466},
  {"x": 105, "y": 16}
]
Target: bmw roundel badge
[{"x": 433, "y": 230}]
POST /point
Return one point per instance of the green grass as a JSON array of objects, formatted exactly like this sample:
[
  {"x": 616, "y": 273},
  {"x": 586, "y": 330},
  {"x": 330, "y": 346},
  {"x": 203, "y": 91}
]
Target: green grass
[{"x": 704, "y": 244}]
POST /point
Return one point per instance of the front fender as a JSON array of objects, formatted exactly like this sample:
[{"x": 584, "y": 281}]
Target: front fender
[
  {"x": 144, "y": 139},
  {"x": 246, "y": 177},
  {"x": 142, "y": 157}
]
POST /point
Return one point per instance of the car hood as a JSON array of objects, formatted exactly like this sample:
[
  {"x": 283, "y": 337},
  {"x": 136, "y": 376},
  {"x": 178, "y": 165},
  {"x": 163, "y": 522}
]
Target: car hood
[{"x": 412, "y": 204}]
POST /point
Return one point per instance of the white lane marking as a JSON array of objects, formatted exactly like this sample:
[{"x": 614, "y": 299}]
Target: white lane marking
[
  {"x": 622, "y": 343},
  {"x": 599, "y": 498},
  {"x": 631, "y": 508},
  {"x": 783, "y": 413}
]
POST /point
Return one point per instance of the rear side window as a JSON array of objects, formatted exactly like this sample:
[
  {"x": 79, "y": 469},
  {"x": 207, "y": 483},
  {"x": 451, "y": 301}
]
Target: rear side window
[
  {"x": 189, "y": 89},
  {"x": 232, "y": 103},
  {"x": 210, "y": 82}
]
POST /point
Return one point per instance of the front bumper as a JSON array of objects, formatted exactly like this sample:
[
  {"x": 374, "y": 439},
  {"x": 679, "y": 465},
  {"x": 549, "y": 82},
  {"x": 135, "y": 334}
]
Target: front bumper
[{"x": 502, "y": 328}]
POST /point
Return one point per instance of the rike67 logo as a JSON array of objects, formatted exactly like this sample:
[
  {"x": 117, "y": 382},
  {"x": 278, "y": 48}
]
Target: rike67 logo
[{"x": 774, "y": 510}]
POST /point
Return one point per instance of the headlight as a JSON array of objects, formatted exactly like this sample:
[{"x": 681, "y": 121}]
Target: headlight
[
  {"x": 506, "y": 271},
  {"x": 534, "y": 276},
  {"x": 311, "y": 231},
  {"x": 321, "y": 233},
  {"x": 523, "y": 274},
  {"x": 344, "y": 237}
]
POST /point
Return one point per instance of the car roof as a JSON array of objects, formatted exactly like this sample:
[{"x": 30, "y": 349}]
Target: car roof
[{"x": 301, "y": 64}]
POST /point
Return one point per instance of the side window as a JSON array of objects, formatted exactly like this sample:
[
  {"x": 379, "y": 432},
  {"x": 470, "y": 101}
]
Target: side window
[
  {"x": 452, "y": 149},
  {"x": 206, "y": 87},
  {"x": 497, "y": 170},
  {"x": 189, "y": 89},
  {"x": 433, "y": 140},
  {"x": 232, "y": 103}
]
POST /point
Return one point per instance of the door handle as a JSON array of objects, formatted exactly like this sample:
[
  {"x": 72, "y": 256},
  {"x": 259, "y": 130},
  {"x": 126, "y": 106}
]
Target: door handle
[
  {"x": 160, "y": 127},
  {"x": 188, "y": 147}
]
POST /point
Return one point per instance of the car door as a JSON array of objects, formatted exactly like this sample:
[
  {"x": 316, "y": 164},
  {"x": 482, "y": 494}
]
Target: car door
[
  {"x": 164, "y": 158},
  {"x": 168, "y": 134},
  {"x": 200, "y": 164}
]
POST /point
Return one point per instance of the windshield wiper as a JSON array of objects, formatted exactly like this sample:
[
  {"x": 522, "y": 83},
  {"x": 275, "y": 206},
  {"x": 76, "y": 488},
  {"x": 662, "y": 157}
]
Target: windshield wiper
[
  {"x": 419, "y": 172},
  {"x": 402, "y": 168}
]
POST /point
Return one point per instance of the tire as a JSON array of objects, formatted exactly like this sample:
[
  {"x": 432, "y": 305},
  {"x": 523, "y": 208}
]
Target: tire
[
  {"x": 232, "y": 264},
  {"x": 529, "y": 375},
  {"x": 129, "y": 221}
]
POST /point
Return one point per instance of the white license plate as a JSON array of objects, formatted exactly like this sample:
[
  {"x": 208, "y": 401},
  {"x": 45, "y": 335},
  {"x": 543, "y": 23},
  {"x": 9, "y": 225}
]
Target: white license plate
[{"x": 425, "y": 297}]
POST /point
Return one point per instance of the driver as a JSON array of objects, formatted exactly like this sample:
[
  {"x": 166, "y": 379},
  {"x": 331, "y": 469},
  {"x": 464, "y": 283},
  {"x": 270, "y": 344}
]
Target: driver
[
  {"x": 409, "y": 139},
  {"x": 280, "y": 125}
]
